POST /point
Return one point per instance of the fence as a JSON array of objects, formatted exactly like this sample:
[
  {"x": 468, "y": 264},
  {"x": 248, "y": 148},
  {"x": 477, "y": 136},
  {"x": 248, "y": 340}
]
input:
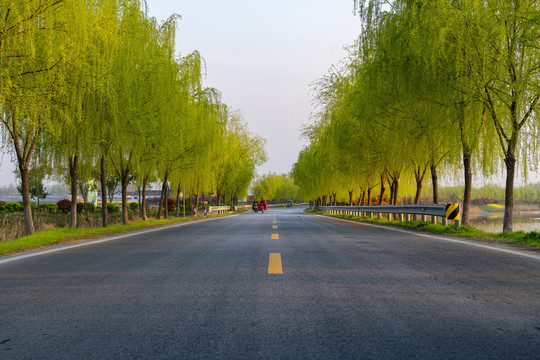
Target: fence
[
  {"x": 217, "y": 210},
  {"x": 401, "y": 212}
]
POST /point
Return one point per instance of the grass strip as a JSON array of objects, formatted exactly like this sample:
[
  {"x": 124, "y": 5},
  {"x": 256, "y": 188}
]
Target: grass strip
[
  {"x": 60, "y": 235},
  {"x": 518, "y": 237}
]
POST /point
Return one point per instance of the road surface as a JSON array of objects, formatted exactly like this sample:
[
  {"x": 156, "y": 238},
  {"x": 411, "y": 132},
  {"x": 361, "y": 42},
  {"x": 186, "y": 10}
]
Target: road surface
[{"x": 279, "y": 285}]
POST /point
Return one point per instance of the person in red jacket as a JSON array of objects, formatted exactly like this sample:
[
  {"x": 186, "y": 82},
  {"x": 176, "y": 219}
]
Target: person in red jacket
[{"x": 263, "y": 205}]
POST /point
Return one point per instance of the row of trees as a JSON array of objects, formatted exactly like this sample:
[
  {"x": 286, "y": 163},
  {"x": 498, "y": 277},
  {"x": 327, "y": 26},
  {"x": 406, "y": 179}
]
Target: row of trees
[
  {"x": 432, "y": 86},
  {"x": 276, "y": 187},
  {"x": 94, "y": 88}
]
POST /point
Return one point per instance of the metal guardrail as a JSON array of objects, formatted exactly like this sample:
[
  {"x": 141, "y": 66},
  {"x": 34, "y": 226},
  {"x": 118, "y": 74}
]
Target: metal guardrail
[
  {"x": 216, "y": 210},
  {"x": 403, "y": 212}
]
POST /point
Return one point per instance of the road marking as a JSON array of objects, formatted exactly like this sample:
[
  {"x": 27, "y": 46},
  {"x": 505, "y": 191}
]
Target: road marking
[
  {"x": 274, "y": 264},
  {"x": 274, "y": 237},
  {"x": 453, "y": 240},
  {"x": 274, "y": 226}
]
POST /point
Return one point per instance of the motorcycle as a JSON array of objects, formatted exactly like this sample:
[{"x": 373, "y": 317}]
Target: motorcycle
[{"x": 255, "y": 207}]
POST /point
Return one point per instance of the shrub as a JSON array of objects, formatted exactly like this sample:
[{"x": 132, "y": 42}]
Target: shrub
[
  {"x": 64, "y": 205},
  {"x": 13, "y": 206},
  {"x": 2, "y": 205},
  {"x": 88, "y": 207},
  {"x": 133, "y": 206},
  {"x": 34, "y": 207},
  {"x": 51, "y": 207},
  {"x": 112, "y": 208}
]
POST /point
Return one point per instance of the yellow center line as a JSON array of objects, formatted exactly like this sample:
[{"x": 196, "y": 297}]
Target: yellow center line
[
  {"x": 274, "y": 237},
  {"x": 274, "y": 264},
  {"x": 274, "y": 226}
]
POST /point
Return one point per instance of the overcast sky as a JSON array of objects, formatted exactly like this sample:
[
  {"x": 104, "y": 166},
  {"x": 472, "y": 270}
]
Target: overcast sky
[{"x": 263, "y": 57}]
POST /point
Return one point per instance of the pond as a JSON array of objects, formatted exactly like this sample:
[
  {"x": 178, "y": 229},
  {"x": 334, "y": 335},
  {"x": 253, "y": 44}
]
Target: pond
[{"x": 493, "y": 221}]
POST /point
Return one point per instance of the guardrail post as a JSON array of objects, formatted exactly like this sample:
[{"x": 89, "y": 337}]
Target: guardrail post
[
  {"x": 433, "y": 219},
  {"x": 423, "y": 217}
]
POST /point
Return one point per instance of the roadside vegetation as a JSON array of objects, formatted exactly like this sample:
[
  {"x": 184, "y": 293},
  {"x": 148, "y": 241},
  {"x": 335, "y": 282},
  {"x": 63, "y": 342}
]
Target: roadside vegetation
[
  {"x": 431, "y": 89},
  {"x": 94, "y": 95},
  {"x": 519, "y": 237},
  {"x": 66, "y": 234}
]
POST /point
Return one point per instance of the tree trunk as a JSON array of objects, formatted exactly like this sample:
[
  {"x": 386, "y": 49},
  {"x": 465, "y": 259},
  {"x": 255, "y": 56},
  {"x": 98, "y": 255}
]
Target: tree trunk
[
  {"x": 392, "y": 193},
  {"x": 23, "y": 159},
  {"x": 350, "y": 197},
  {"x": 510, "y": 162},
  {"x": 435, "y": 184},
  {"x": 103, "y": 193},
  {"x": 396, "y": 190},
  {"x": 28, "y": 220},
  {"x": 163, "y": 197},
  {"x": 178, "y": 198},
  {"x": 73, "y": 162},
  {"x": 197, "y": 199},
  {"x": 143, "y": 210},
  {"x": 381, "y": 196},
  {"x": 418, "y": 192},
  {"x": 468, "y": 188},
  {"x": 369, "y": 197},
  {"x": 419, "y": 175},
  {"x": 125, "y": 182},
  {"x": 363, "y": 197}
]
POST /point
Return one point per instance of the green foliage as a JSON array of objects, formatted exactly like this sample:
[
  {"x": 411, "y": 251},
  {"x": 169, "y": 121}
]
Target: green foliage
[
  {"x": 2, "y": 205},
  {"x": 274, "y": 187},
  {"x": 88, "y": 208},
  {"x": 430, "y": 85},
  {"x": 112, "y": 208},
  {"x": 13, "y": 206},
  {"x": 133, "y": 206},
  {"x": 102, "y": 81},
  {"x": 49, "y": 207}
]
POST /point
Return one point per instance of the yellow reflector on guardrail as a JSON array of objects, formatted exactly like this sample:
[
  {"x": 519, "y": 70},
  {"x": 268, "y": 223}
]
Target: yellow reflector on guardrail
[{"x": 452, "y": 211}]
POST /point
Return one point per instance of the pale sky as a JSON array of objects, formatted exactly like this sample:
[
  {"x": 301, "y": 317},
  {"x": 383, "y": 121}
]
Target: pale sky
[{"x": 263, "y": 57}]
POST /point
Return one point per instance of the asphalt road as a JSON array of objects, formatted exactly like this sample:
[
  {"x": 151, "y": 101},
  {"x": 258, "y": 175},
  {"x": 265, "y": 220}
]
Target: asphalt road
[{"x": 333, "y": 290}]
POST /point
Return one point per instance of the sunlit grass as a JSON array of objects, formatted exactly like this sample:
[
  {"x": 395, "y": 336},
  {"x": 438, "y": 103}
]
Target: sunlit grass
[
  {"x": 520, "y": 237},
  {"x": 58, "y": 235}
]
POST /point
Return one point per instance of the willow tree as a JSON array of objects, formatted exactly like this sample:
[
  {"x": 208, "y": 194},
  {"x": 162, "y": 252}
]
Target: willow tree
[
  {"x": 241, "y": 153},
  {"x": 31, "y": 76},
  {"x": 132, "y": 70},
  {"x": 86, "y": 76},
  {"x": 508, "y": 78}
]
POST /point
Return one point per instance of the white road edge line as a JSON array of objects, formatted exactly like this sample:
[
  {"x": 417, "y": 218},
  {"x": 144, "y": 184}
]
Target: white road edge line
[
  {"x": 470, "y": 243},
  {"x": 93, "y": 242}
]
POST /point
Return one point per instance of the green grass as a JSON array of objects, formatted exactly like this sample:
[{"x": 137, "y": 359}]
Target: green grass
[
  {"x": 60, "y": 235},
  {"x": 519, "y": 237}
]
